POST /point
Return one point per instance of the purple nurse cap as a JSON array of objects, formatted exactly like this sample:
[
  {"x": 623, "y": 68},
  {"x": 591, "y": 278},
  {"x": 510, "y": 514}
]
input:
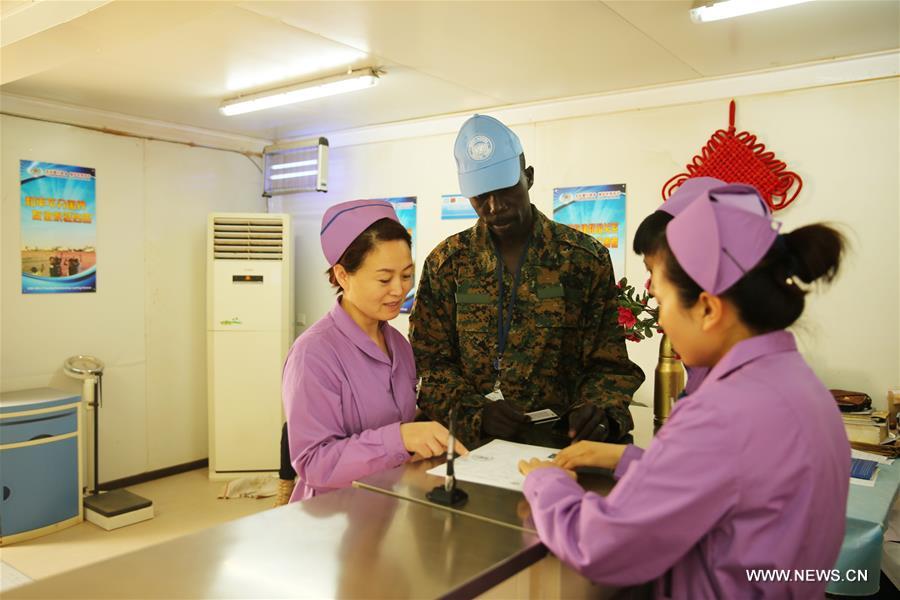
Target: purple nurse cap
[
  {"x": 722, "y": 235},
  {"x": 687, "y": 192},
  {"x": 343, "y": 222}
]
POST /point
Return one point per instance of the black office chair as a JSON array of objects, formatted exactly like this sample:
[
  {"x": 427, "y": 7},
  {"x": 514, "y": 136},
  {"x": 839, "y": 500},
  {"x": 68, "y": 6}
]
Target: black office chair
[{"x": 286, "y": 473}]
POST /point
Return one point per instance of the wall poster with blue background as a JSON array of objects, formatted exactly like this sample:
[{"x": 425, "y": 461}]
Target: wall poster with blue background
[
  {"x": 405, "y": 208},
  {"x": 599, "y": 211},
  {"x": 58, "y": 228},
  {"x": 454, "y": 206}
]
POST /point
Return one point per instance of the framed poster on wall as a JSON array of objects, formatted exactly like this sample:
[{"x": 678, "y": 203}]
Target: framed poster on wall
[
  {"x": 58, "y": 223},
  {"x": 455, "y": 206},
  {"x": 599, "y": 211}
]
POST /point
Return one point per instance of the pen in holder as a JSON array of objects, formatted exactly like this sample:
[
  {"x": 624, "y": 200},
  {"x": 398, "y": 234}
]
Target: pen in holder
[{"x": 448, "y": 494}]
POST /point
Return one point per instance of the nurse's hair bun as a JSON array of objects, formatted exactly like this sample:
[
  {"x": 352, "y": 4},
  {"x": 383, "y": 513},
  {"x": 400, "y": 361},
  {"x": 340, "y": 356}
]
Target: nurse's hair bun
[
  {"x": 813, "y": 252},
  {"x": 771, "y": 295}
]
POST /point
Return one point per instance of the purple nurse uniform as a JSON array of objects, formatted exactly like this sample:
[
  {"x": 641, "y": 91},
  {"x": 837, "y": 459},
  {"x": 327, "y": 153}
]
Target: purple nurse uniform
[
  {"x": 344, "y": 400},
  {"x": 750, "y": 472}
]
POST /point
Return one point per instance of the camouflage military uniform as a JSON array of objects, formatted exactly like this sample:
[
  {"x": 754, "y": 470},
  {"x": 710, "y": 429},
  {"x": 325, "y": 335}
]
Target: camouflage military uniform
[{"x": 564, "y": 346}]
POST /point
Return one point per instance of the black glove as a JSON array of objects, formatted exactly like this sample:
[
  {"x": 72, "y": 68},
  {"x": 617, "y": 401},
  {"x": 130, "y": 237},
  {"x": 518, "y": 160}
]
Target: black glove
[
  {"x": 588, "y": 423},
  {"x": 501, "y": 419}
]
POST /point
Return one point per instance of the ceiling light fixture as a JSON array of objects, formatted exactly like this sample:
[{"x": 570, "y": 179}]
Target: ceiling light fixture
[
  {"x": 310, "y": 90},
  {"x": 726, "y": 9}
]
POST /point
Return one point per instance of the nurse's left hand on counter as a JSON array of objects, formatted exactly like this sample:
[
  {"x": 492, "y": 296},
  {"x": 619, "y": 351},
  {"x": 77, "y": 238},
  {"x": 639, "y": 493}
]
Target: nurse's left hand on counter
[
  {"x": 589, "y": 454},
  {"x": 527, "y": 466},
  {"x": 427, "y": 439}
]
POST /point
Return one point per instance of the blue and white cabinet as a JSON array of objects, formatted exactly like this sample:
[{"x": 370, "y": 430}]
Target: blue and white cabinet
[{"x": 40, "y": 466}]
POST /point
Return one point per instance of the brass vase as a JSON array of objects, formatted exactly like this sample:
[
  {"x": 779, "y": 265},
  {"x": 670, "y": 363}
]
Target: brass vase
[{"x": 668, "y": 383}]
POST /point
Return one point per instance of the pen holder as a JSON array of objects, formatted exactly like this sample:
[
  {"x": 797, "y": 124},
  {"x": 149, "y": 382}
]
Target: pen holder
[{"x": 455, "y": 497}]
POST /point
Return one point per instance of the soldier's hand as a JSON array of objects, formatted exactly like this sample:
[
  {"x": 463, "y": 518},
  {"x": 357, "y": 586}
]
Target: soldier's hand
[
  {"x": 588, "y": 423},
  {"x": 501, "y": 419}
]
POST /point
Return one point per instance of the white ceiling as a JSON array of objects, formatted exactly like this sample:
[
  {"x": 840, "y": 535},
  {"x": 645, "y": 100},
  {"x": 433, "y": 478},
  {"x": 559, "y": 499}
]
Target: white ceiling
[{"x": 176, "y": 61}]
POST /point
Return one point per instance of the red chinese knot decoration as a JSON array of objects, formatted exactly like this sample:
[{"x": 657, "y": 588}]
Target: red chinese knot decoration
[{"x": 740, "y": 158}]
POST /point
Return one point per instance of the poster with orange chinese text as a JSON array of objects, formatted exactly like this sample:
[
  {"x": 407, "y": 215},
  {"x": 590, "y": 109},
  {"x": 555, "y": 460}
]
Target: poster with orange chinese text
[
  {"x": 599, "y": 211},
  {"x": 58, "y": 228}
]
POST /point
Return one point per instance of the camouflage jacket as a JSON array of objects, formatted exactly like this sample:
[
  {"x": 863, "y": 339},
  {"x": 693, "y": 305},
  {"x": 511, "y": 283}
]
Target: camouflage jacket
[{"x": 564, "y": 345}]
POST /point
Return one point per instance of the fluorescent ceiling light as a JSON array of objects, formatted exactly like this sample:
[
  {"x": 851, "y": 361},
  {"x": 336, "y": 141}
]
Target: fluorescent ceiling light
[
  {"x": 310, "y": 90},
  {"x": 294, "y": 68},
  {"x": 726, "y": 9}
]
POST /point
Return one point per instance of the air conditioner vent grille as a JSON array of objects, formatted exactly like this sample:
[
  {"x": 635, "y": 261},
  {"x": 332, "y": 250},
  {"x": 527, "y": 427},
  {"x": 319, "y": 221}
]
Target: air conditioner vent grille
[{"x": 248, "y": 239}]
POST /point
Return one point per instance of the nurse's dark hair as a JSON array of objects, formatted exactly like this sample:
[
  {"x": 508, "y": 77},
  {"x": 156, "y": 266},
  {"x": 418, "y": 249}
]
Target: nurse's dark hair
[
  {"x": 768, "y": 297},
  {"x": 382, "y": 230},
  {"x": 649, "y": 232}
]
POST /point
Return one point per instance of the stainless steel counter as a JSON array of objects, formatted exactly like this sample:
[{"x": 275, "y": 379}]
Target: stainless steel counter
[
  {"x": 492, "y": 506},
  {"x": 380, "y": 539},
  {"x": 351, "y": 543},
  {"x": 495, "y": 505}
]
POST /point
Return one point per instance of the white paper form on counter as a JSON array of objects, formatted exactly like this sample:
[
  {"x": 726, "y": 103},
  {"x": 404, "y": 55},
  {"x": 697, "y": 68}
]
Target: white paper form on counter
[{"x": 495, "y": 464}]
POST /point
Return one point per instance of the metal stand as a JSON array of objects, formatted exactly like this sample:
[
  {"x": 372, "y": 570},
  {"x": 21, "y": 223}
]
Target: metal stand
[
  {"x": 453, "y": 497},
  {"x": 114, "y": 503},
  {"x": 116, "y": 508}
]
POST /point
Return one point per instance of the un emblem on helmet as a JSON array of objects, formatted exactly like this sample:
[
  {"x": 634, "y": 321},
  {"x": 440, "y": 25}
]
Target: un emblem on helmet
[{"x": 480, "y": 147}]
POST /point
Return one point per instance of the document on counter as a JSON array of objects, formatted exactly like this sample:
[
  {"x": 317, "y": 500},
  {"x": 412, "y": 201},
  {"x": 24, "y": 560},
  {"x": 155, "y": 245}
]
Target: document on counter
[
  {"x": 495, "y": 464},
  {"x": 881, "y": 460}
]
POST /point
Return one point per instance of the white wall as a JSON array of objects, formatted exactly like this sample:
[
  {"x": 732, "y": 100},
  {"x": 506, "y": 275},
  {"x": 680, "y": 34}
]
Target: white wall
[
  {"x": 843, "y": 141},
  {"x": 146, "y": 320}
]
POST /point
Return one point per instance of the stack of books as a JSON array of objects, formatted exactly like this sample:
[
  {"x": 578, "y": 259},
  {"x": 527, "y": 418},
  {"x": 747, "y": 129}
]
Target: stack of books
[{"x": 867, "y": 426}]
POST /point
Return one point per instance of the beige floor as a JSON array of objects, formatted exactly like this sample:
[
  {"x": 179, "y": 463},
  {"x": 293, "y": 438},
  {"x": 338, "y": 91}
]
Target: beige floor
[{"x": 183, "y": 504}]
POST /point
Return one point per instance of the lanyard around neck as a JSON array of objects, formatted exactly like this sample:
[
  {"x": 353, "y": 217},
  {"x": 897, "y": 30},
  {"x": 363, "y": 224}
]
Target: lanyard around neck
[{"x": 504, "y": 325}]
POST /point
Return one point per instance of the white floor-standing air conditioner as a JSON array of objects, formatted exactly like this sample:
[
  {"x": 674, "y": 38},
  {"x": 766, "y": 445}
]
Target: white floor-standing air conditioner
[{"x": 250, "y": 316}]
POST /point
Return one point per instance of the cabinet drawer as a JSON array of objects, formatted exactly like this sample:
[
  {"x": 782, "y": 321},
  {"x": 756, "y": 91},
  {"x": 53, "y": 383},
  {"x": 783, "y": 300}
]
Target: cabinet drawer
[
  {"x": 23, "y": 429},
  {"x": 39, "y": 485}
]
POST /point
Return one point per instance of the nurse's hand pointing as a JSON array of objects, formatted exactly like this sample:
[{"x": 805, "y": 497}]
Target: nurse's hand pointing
[{"x": 427, "y": 439}]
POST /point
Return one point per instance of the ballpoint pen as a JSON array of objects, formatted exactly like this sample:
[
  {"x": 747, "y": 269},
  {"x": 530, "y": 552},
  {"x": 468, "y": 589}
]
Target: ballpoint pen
[
  {"x": 448, "y": 494},
  {"x": 449, "y": 479}
]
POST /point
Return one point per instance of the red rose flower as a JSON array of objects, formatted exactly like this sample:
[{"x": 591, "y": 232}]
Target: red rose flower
[{"x": 626, "y": 318}]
